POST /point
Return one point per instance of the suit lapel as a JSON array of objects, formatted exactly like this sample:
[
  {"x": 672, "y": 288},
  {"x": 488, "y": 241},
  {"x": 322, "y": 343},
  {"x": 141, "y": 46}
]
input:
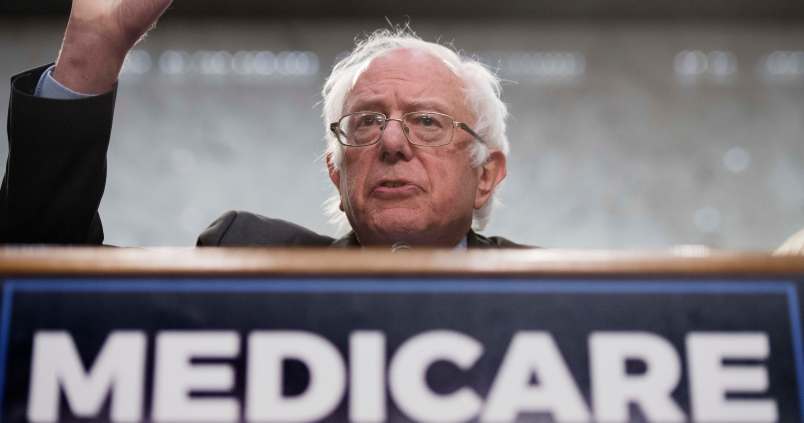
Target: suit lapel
[{"x": 473, "y": 240}]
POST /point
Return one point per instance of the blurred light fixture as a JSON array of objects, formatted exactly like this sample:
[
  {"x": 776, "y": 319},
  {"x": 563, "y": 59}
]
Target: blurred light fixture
[
  {"x": 264, "y": 63},
  {"x": 252, "y": 64},
  {"x": 722, "y": 64},
  {"x": 692, "y": 66},
  {"x": 217, "y": 63},
  {"x": 137, "y": 62},
  {"x": 174, "y": 62},
  {"x": 690, "y": 63},
  {"x": 243, "y": 63},
  {"x": 782, "y": 66},
  {"x": 736, "y": 160},
  {"x": 537, "y": 66}
]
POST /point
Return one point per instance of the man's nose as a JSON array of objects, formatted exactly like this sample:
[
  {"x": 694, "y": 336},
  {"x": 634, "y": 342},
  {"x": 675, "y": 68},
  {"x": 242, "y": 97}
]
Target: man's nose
[{"x": 394, "y": 144}]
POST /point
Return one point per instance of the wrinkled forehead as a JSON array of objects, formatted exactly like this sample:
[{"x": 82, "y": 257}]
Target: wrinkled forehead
[{"x": 424, "y": 73}]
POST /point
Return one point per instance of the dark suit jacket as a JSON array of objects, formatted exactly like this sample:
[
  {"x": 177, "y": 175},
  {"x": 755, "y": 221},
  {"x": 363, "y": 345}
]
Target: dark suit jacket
[
  {"x": 244, "y": 228},
  {"x": 56, "y": 173}
]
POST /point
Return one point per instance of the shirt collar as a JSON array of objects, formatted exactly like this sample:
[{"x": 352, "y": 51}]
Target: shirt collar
[{"x": 350, "y": 240}]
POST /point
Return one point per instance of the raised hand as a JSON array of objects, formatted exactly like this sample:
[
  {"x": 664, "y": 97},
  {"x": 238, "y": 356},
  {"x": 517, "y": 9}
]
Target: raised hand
[{"x": 99, "y": 35}]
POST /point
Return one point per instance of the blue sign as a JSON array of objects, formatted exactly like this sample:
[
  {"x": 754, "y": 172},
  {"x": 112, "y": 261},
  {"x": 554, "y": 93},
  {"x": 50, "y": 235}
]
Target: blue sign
[{"x": 400, "y": 349}]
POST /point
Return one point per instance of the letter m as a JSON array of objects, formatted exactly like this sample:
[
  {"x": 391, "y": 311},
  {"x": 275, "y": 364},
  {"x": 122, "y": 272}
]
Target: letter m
[{"x": 117, "y": 372}]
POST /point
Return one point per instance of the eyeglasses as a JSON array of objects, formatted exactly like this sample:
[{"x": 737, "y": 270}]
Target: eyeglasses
[{"x": 426, "y": 129}]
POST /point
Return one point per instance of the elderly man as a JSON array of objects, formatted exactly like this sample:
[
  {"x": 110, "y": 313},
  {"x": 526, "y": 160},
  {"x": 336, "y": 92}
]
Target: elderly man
[{"x": 416, "y": 141}]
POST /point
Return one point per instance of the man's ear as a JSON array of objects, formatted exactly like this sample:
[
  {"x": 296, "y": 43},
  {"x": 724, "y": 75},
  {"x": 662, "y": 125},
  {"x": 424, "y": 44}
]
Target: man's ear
[
  {"x": 334, "y": 176},
  {"x": 334, "y": 173},
  {"x": 492, "y": 172}
]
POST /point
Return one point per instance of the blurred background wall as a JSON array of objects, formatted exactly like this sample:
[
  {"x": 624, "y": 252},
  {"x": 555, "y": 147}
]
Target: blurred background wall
[{"x": 634, "y": 124}]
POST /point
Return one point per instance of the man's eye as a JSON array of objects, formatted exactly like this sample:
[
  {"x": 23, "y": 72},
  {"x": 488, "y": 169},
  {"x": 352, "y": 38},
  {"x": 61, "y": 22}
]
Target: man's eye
[
  {"x": 370, "y": 120},
  {"x": 426, "y": 121},
  {"x": 429, "y": 122}
]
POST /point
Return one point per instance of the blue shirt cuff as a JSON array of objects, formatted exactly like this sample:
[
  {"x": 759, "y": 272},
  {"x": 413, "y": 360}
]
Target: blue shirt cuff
[{"x": 48, "y": 87}]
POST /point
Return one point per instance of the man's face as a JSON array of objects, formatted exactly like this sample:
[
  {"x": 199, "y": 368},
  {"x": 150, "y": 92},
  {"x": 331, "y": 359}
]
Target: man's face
[{"x": 394, "y": 191}]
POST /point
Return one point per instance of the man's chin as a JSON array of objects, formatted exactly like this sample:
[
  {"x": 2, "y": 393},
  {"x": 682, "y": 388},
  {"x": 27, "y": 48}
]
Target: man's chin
[{"x": 391, "y": 226}]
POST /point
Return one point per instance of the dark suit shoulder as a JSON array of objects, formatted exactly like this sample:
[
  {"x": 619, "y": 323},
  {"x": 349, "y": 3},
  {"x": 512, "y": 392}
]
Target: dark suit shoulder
[{"x": 240, "y": 228}]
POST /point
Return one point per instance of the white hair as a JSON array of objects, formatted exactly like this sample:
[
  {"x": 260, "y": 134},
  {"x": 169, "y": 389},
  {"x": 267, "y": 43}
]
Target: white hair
[{"x": 481, "y": 88}]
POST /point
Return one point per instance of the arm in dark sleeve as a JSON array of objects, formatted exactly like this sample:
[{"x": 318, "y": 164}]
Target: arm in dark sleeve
[{"x": 56, "y": 168}]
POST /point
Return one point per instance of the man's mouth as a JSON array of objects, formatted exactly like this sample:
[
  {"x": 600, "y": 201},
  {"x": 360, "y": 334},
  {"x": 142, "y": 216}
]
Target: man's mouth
[
  {"x": 395, "y": 188},
  {"x": 392, "y": 184}
]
